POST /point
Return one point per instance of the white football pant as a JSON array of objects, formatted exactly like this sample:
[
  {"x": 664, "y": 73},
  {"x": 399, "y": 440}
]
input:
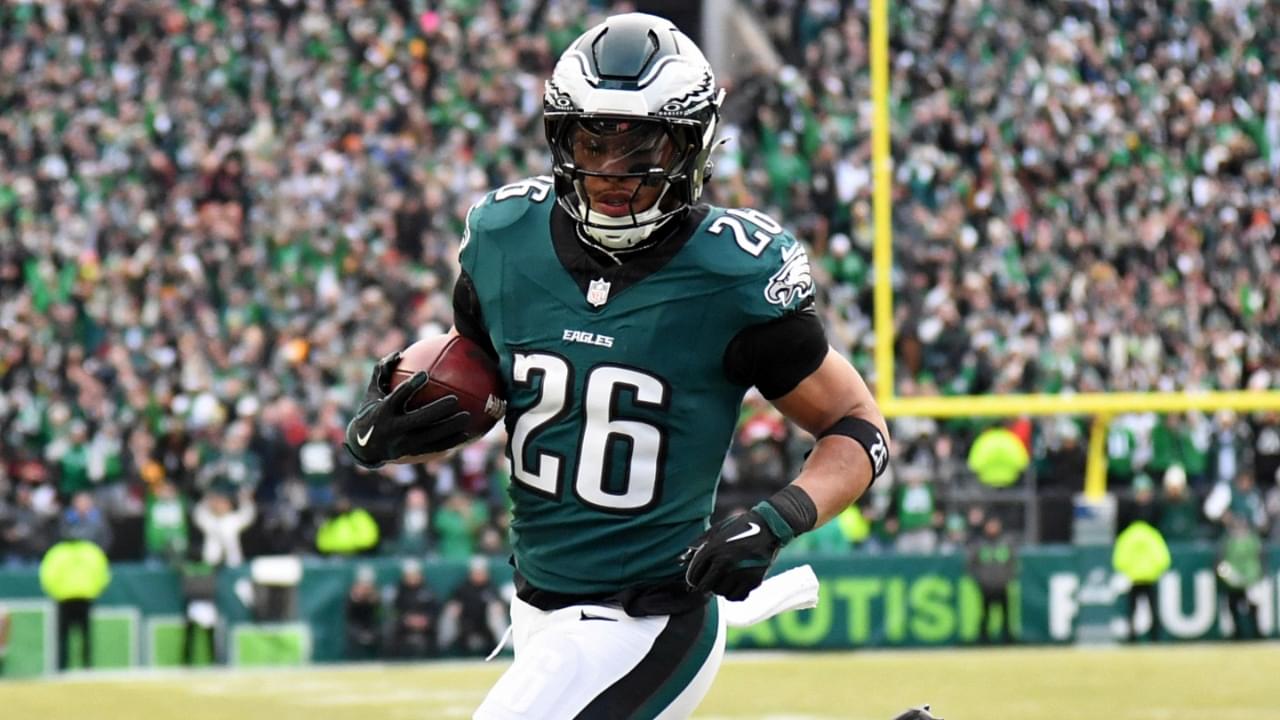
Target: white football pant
[{"x": 594, "y": 662}]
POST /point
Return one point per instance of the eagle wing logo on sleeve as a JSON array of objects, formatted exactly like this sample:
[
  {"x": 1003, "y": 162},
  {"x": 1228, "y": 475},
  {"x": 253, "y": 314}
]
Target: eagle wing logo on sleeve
[{"x": 793, "y": 281}]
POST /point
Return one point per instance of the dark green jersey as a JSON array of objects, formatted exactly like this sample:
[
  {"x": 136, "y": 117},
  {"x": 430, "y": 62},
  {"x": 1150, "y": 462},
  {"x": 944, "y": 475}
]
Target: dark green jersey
[{"x": 620, "y": 408}]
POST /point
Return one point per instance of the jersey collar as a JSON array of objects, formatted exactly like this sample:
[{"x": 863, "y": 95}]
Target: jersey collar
[{"x": 585, "y": 263}]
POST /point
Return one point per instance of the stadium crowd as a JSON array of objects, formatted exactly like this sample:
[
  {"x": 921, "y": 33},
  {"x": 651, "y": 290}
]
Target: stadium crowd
[{"x": 213, "y": 216}]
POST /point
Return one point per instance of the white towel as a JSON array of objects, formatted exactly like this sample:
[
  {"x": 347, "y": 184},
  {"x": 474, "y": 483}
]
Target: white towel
[{"x": 794, "y": 589}]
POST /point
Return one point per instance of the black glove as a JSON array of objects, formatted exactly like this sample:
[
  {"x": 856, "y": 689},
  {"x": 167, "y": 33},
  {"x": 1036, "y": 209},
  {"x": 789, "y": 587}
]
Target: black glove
[
  {"x": 384, "y": 430},
  {"x": 731, "y": 559},
  {"x": 917, "y": 714}
]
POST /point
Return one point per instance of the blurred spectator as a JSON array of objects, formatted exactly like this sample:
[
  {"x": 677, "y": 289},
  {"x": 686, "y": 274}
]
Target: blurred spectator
[
  {"x": 1143, "y": 506},
  {"x": 948, "y": 459},
  {"x": 222, "y": 522},
  {"x": 1178, "y": 509},
  {"x": 1272, "y": 506},
  {"x": 1237, "y": 500},
  {"x": 915, "y": 515},
  {"x": 232, "y": 468},
  {"x": 1240, "y": 568},
  {"x": 844, "y": 265},
  {"x": 998, "y": 457},
  {"x": 877, "y": 511},
  {"x": 416, "y": 610},
  {"x": 993, "y": 565},
  {"x": 199, "y": 592},
  {"x": 955, "y": 534},
  {"x": 25, "y": 530},
  {"x": 74, "y": 573},
  {"x": 349, "y": 530},
  {"x": 84, "y": 521},
  {"x": 475, "y": 615},
  {"x": 756, "y": 464},
  {"x": 412, "y": 221},
  {"x": 492, "y": 543},
  {"x": 71, "y": 453},
  {"x": 1122, "y": 447},
  {"x": 1226, "y": 449},
  {"x": 1265, "y": 431},
  {"x": 759, "y": 448},
  {"x": 317, "y": 463},
  {"x": 1141, "y": 556},
  {"x": 457, "y": 525},
  {"x": 1063, "y": 467},
  {"x": 165, "y": 524},
  {"x": 415, "y": 517},
  {"x": 364, "y": 616},
  {"x": 224, "y": 196},
  {"x": 1179, "y": 440}
]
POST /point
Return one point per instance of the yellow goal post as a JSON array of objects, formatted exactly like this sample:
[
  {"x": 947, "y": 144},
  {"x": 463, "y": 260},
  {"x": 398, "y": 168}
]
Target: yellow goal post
[{"x": 1101, "y": 406}]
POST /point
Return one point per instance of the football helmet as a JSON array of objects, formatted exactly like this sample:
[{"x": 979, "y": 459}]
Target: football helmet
[{"x": 633, "y": 103}]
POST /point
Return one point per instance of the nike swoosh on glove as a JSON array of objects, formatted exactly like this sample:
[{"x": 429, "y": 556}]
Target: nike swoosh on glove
[
  {"x": 384, "y": 430},
  {"x": 732, "y": 558}
]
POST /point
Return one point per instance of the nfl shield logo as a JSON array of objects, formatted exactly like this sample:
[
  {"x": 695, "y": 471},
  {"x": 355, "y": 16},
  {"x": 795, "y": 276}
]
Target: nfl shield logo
[{"x": 598, "y": 292}]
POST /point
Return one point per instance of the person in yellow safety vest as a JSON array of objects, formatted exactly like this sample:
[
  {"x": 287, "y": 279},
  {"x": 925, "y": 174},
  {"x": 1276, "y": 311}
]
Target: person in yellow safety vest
[
  {"x": 853, "y": 525},
  {"x": 998, "y": 457},
  {"x": 349, "y": 532},
  {"x": 74, "y": 573},
  {"x": 1142, "y": 556}
]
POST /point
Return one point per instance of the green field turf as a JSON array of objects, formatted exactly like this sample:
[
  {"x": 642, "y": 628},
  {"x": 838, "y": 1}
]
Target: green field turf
[{"x": 1191, "y": 682}]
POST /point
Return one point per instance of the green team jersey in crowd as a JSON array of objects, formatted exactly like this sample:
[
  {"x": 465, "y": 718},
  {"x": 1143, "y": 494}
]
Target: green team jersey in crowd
[{"x": 620, "y": 408}]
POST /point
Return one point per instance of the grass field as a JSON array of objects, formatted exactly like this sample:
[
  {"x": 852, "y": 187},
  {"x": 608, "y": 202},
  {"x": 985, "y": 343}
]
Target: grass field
[{"x": 1190, "y": 682}]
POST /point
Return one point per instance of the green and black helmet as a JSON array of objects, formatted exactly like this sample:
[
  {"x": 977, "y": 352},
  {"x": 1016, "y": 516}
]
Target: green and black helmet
[{"x": 632, "y": 97}]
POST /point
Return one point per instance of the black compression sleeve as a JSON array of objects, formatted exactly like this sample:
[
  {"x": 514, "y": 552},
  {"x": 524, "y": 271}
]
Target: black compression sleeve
[
  {"x": 796, "y": 507},
  {"x": 775, "y": 356},
  {"x": 467, "y": 317}
]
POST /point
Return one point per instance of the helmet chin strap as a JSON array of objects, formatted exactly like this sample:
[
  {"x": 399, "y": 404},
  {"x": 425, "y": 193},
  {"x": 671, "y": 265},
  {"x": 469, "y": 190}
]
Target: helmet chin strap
[{"x": 621, "y": 233}]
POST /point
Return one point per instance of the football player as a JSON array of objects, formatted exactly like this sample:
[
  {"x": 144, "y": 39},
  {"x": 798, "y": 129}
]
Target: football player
[{"x": 629, "y": 321}]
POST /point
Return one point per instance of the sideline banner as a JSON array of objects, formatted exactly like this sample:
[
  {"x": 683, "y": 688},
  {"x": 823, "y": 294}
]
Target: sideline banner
[{"x": 1064, "y": 594}]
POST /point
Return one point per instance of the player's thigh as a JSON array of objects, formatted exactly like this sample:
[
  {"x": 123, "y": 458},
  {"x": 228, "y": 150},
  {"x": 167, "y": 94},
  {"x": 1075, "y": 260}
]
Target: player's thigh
[
  {"x": 596, "y": 662},
  {"x": 690, "y": 696},
  {"x": 564, "y": 658}
]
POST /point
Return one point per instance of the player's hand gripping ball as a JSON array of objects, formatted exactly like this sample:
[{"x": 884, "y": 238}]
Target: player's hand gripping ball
[{"x": 433, "y": 396}]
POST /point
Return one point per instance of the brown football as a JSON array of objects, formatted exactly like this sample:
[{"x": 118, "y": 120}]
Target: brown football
[{"x": 455, "y": 366}]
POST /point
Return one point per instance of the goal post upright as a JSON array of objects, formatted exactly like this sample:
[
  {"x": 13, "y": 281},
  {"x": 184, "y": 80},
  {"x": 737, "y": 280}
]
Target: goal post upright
[{"x": 881, "y": 198}]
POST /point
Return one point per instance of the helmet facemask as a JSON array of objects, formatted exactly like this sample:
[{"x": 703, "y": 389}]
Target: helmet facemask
[{"x": 622, "y": 177}]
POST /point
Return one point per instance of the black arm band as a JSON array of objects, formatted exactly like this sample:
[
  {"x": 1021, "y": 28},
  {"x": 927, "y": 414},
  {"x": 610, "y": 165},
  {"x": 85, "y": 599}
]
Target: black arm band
[
  {"x": 796, "y": 508},
  {"x": 868, "y": 436}
]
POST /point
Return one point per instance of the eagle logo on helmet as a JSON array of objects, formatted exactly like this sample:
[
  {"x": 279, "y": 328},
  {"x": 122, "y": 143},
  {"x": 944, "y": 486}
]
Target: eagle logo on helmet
[
  {"x": 693, "y": 100},
  {"x": 556, "y": 96}
]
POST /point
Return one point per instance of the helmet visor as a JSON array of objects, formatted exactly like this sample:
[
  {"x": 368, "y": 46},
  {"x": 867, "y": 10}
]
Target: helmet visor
[{"x": 614, "y": 146}]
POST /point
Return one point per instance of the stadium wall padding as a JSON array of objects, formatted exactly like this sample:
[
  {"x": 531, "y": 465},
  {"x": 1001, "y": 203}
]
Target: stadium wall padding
[{"x": 1064, "y": 594}]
